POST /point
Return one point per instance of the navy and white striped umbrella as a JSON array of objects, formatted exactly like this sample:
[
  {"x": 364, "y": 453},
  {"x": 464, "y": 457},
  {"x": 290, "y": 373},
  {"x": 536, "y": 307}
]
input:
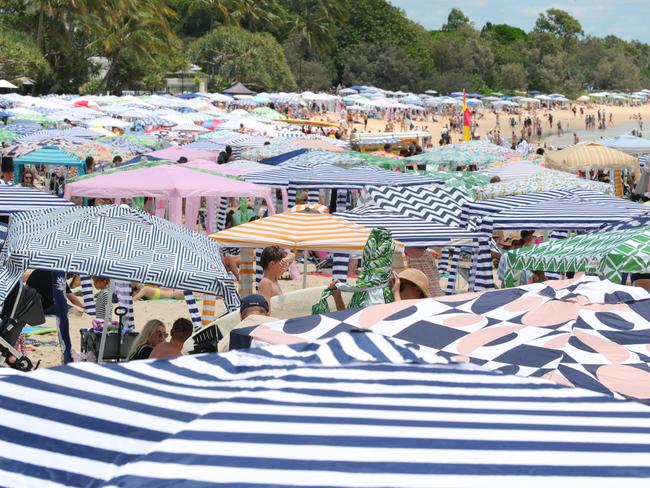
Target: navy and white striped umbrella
[
  {"x": 411, "y": 231},
  {"x": 356, "y": 410},
  {"x": 117, "y": 242},
  {"x": 19, "y": 199},
  {"x": 356, "y": 178}
]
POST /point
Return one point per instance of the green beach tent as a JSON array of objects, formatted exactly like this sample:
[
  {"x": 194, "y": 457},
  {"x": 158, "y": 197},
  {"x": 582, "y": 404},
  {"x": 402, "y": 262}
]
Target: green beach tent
[{"x": 606, "y": 253}]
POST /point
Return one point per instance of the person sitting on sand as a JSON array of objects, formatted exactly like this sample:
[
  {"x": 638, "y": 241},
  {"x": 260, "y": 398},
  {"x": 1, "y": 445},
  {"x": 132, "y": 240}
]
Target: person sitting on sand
[
  {"x": 181, "y": 331},
  {"x": 274, "y": 261},
  {"x": 153, "y": 333}
]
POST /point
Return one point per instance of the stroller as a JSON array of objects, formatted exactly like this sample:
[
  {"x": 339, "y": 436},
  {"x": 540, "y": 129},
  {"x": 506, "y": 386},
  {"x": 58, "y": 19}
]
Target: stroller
[{"x": 22, "y": 307}]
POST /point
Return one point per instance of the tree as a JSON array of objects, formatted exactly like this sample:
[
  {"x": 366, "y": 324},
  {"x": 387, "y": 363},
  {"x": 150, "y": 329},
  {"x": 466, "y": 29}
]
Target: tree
[
  {"x": 230, "y": 54},
  {"x": 384, "y": 65},
  {"x": 19, "y": 56},
  {"x": 513, "y": 76},
  {"x": 559, "y": 23},
  {"x": 129, "y": 27},
  {"x": 456, "y": 20}
]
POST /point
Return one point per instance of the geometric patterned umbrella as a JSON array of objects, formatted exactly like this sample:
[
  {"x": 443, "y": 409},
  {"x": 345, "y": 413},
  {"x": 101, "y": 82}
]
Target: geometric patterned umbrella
[
  {"x": 117, "y": 242},
  {"x": 606, "y": 253},
  {"x": 587, "y": 333},
  {"x": 356, "y": 410}
]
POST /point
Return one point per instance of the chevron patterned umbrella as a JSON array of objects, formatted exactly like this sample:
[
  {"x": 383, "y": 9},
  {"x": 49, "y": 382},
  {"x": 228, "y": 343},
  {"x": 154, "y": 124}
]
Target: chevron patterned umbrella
[
  {"x": 117, "y": 242},
  {"x": 607, "y": 253}
]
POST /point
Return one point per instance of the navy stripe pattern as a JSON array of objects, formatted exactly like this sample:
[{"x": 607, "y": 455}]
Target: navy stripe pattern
[{"x": 356, "y": 410}]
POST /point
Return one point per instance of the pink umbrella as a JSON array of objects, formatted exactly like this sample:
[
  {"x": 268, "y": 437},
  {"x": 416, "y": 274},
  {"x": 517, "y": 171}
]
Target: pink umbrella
[{"x": 168, "y": 183}]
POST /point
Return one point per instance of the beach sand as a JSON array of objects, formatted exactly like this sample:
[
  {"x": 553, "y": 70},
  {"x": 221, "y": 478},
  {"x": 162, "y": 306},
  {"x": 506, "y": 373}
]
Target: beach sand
[{"x": 621, "y": 117}]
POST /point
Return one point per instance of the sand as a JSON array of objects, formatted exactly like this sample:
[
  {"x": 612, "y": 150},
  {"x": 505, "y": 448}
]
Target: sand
[
  {"x": 46, "y": 347},
  {"x": 621, "y": 117}
]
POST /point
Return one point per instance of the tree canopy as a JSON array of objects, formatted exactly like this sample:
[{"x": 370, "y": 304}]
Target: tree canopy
[{"x": 117, "y": 45}]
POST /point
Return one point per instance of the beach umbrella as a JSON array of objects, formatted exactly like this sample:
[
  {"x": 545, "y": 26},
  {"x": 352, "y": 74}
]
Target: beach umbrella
[
  {"x": 23, "y": 127},
  {"x": 20, "y": 199},
  {"x": 588, "y": 156},
  {"x": 117, "y": 242},
  {"x": 54, "y": 147},
  {"x": 7, "y": 85},
  {"x": 53, "y": 155},
  {"x": 7, "y": 136},
  {"x": 542, "y": 180},
  {"x": 586, "y": 333},
  {"x": 368, "y": 410},
  {"x": 608, "y": 253},
  {"x": 627, "y": 143}
]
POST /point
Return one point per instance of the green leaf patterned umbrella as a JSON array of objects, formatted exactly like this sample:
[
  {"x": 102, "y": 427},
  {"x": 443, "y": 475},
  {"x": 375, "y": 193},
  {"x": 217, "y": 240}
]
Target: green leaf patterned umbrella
[{"x": 606, "y": 253}]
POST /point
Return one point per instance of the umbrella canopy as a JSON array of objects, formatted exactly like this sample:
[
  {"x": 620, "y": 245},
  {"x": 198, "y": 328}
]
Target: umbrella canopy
[
  {"x": 20, "y": 199},
  {"x": 606, "y": 253},
  {"x": 627, "y": 143},
  {"x": 543, "y": 180},
  {"x": 295, "y": 230},
  {"x": 7, "y": 85},
  {"x": 117, "y": 242},
  {"x": 50, "y": 155},
  {"x": 238, "y": 89},
  {"x": 589, "y": 156},
  {"x": 357, "y": 409},
  {"x": 587, "y": 333},
  {"x": 171, "y": 182}
]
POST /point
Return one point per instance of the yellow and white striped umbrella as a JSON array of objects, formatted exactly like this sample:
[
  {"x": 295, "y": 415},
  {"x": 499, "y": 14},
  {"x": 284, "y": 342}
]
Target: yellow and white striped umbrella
[{"x": 588, "y": 156}]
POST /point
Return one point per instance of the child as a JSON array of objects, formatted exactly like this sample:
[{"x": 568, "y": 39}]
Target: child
[
  {"x": 103, "y": 298},
  {"x": 275, "y": 262}
]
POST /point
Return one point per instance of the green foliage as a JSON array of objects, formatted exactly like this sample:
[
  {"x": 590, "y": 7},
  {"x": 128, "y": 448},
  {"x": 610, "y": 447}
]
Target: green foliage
[
  {"x": 456, "y": 20},
  {"x": 230, "y": 54},
  {"x": 20, "y": 57},
  {"x": 312, "y": 44}
]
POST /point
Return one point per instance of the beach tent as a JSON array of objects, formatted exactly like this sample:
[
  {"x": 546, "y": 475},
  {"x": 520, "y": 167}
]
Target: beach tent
[
  {"x": 590, "y": 155},
  {"x": 543, "y": 180},
  {"x": 353, "y": 409},
  {"x": 7, "y": 85},
  {"x": 117, "y": 242},
  {"x": 607, "y": 253},
  {"x": 586, "y": 333},
  {"x": 411, "y": 231},
  {"x": 21, "y": 199},
  {"x": 49, "y": 155},
  {"x": 432, "y": 203},
  {"x": 238, "y": 89},
  {"x": 297, "y": 231},
  {"x": 168, "y": 184}
]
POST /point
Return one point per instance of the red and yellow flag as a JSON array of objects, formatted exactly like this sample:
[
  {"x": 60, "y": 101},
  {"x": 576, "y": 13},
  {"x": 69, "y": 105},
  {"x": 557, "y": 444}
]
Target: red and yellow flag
[{"x": 467, "y": 119}]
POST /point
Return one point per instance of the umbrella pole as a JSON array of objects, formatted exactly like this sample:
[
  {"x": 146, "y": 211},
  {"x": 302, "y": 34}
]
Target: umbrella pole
[
  {"x": 107, "y": 320},
  {"x": 304, "y": 270}
]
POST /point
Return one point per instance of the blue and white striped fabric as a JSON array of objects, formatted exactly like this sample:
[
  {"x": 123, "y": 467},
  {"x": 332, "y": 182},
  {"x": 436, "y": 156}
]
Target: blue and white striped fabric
[
  {"x": 644, "y": 160},
  {"x": 357, "y": 178},
  {"x": 117, "y": 242},
  {"x": 193, "y": 308},
  {"x": 411, "y": 231},
  {"x": 20, "y": 199},
  {"x": 355, "y": 410},
  {"x": 87, "y": 295}
]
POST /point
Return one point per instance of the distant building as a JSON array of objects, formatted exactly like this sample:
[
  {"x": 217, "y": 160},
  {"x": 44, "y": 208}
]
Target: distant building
[{"x": 187, "y": 81}]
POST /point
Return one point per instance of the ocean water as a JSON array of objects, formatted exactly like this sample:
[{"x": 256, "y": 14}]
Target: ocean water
[{"x": 566, "y": 139}]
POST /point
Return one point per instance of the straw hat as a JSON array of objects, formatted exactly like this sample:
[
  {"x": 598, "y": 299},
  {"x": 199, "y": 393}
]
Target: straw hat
[{"x": 418, "y": 278}]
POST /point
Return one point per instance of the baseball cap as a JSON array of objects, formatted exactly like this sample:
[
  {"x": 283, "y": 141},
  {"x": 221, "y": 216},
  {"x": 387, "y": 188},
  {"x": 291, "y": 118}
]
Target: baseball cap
[{"x": 254, "y": 300}]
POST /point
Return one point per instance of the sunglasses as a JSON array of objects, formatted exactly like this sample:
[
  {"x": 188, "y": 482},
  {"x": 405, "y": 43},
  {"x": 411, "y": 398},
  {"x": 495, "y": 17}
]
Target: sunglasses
[{"x": 164, "y": 335}]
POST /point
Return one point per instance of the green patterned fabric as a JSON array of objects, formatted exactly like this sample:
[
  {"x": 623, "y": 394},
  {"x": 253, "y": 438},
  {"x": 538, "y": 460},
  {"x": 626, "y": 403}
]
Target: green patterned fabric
[
  {"x": 607, "y": 253},
  {"x": 374, "y": 278}
]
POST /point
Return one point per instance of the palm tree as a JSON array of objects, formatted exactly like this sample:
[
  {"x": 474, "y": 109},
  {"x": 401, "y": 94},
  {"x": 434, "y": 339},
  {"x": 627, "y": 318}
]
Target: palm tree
[
  {"x": 315, "y": 22},
  {"x": 254, "y": 15},
  {"x": 219, "y": 9}
]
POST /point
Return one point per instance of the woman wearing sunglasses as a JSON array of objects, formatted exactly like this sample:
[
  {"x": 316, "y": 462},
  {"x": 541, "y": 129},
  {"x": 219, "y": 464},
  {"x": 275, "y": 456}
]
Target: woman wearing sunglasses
[
  {"x": 152, "y": 334},
  {"x": 27, "y": 181}
]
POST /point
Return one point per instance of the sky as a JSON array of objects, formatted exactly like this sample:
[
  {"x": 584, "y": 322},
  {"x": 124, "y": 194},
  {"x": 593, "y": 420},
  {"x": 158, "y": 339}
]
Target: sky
[{"x": 627, "y": 19}]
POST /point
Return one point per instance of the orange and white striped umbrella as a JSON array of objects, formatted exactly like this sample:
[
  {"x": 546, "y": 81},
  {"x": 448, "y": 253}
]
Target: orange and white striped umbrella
[{"x": 295, "y": 230}]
